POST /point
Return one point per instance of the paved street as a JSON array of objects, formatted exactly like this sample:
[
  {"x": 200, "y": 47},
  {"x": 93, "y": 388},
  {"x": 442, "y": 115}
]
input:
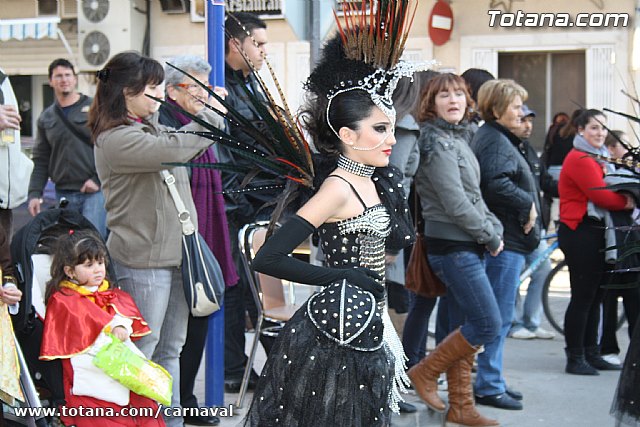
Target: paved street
[{"x": 536, "y": 368}]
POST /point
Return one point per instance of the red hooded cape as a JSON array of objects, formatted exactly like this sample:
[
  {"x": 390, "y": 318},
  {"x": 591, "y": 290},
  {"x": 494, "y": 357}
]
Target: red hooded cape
[{"x": 73, "y": 320}]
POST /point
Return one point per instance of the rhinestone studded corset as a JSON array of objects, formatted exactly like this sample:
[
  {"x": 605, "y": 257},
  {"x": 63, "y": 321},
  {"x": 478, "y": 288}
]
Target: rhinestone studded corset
[{"x": 357, "y": 241}]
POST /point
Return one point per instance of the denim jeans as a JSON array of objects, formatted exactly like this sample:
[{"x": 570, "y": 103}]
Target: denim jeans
[
  {"x": 443, "y": 327},
  {"x": 470, "y": 300},
  {"x": 528, "y": 314},
  {"x": 504, "y": 273},
  {"x": 159, "y": 294},
  {"x": 416, "y": 327},
  {"x": 90, "y": 204}
]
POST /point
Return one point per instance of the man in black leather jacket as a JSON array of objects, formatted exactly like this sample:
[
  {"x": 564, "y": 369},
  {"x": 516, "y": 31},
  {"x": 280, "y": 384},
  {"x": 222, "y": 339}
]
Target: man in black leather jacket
[{"x": 241, "y": 208}]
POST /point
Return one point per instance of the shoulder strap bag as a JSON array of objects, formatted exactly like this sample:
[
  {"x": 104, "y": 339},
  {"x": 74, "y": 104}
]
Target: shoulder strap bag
[
  {"x": 73, "y": 129},
  {"x": 420, "y": 278},
  {"x": 201, "y": 274}
]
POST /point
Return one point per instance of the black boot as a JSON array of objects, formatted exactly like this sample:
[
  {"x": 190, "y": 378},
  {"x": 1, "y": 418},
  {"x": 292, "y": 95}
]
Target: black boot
[
  {"x": 593, "y": 357},
  {"x": 577, "y": 364}
]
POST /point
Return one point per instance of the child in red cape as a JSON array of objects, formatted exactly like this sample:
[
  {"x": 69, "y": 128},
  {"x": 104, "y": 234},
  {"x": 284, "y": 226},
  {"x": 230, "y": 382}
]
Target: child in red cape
[{"x": 80, "y": 306}]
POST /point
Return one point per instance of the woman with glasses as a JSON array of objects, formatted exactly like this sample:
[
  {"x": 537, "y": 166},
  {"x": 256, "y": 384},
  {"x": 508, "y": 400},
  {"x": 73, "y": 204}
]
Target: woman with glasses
[{"x": 206, "y": 188}]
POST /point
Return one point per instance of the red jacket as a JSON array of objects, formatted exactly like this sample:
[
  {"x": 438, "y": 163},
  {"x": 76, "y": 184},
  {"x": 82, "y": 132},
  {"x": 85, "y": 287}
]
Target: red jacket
[{"x": 580, "y": 177}]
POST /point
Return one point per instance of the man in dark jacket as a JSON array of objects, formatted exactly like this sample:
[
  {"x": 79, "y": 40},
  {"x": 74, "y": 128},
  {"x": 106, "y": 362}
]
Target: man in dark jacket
[
  {"x": 64, "y": 152},
  {"x": 528, "y": 314},
  {"x": 241, "y": 208}
]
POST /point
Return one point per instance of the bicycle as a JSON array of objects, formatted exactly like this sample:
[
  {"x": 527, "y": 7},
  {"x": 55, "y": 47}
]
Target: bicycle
[{"x": 556, "y": 292}]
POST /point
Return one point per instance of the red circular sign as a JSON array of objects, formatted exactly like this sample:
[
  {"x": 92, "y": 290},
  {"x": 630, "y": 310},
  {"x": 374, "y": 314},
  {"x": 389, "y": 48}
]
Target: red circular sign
[{"x": 440, "y": 23}]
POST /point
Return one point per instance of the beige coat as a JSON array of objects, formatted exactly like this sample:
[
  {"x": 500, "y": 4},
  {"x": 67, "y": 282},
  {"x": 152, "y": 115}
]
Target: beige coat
[{"x": 142, "y": 218}]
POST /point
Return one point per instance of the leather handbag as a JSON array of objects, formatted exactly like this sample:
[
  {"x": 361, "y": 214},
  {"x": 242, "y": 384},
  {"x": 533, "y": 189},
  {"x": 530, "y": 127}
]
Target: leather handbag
[
  {"x": 420, "y": 278},
  {"x": 201, "y": 274}
]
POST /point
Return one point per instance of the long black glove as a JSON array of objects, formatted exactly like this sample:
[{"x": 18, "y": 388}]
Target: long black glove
[{"x": 273, "y": 259}]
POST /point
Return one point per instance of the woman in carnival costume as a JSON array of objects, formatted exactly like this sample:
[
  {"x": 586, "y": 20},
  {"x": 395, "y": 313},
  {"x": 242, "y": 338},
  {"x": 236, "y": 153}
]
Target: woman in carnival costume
[{"x": 338, "y": 361}]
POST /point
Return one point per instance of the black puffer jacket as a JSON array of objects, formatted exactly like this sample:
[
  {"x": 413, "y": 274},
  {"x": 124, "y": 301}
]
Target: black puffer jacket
[{"x": 507, "y": 184}]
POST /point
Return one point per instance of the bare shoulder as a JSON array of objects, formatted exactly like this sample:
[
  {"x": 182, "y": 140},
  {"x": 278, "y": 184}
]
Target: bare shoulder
[
  {"x": 327, "y": 203},
  {"x": 337, "y": 188}
]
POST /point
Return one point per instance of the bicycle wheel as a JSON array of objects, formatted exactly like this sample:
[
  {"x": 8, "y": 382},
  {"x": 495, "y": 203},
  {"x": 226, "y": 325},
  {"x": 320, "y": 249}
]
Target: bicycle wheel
[{"x": 556, "y": 296}]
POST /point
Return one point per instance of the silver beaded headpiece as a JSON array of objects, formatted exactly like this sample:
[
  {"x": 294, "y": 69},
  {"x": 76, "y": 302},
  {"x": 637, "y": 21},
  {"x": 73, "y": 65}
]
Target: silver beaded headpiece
[{"x": 380, "y": 86}]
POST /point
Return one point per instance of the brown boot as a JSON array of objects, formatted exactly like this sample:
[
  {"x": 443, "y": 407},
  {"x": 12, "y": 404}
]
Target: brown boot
[
  {"x": 462, "y": 409},
  {"x": 424, "y": 375}
]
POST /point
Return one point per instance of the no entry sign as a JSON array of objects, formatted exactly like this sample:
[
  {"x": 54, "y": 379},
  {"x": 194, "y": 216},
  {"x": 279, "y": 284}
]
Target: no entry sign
[{"x": 440, "y": 23}]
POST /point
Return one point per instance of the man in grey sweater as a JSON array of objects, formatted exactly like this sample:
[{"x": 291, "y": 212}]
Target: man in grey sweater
[{"x": 64, "y": 150}]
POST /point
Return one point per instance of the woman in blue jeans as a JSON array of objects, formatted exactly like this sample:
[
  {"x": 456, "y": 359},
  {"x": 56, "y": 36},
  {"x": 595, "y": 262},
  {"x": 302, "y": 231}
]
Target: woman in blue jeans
[
  {"x": 459, "y": 229},
  {"x": 131, "y": 149},
  {"x": 510, "y": 191}
]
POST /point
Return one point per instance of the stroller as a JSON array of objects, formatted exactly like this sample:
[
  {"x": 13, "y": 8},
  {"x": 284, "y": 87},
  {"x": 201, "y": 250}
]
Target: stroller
[{"x": 31, "y": 250}]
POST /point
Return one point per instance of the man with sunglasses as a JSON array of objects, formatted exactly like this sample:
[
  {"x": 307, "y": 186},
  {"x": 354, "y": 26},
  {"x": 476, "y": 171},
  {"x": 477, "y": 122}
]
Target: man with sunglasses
[{"x": 246, "y": 37}]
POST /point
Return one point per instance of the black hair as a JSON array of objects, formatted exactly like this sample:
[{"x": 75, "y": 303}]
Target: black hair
[
  {"x": 347, "y": 110},
  {"x": 476, "y": 77},
  {"x": 128, "y": 72},
  {"x": 586, "y": 116},
  {"x": 72, "y": 249},
  {"x": 60, "y": 62},
  {"x": 233, "y": 26},
  {"x": 570, "y": 128}
]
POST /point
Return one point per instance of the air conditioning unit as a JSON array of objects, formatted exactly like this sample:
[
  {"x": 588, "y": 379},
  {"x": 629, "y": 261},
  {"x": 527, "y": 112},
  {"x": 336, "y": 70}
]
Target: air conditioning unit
[
  {"x": 65, "y": 9},
  {"x": 174, "y": 6},
  {"x": 47, "y": 7},
  {"x": 68, "y": 9},
  {"x": 107, "y": 27}
]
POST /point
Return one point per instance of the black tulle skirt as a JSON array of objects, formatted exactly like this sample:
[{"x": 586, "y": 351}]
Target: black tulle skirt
[
  {"x": 309, "y": 380},
  {"x": 626, "y": 402}
]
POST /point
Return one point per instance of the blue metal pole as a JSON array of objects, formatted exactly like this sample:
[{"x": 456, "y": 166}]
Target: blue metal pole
[{"x": 214, "y": 356}]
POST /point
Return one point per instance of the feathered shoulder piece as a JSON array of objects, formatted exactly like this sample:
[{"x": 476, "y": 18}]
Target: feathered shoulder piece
[{"x": 388, "y": 182}]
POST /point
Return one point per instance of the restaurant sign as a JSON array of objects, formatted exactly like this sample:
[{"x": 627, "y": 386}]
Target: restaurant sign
[{"x": 263, "y": 8}]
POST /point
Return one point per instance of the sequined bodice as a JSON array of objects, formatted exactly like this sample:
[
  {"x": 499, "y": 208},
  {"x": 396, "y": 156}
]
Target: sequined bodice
[{"x": 357, "y": 241}]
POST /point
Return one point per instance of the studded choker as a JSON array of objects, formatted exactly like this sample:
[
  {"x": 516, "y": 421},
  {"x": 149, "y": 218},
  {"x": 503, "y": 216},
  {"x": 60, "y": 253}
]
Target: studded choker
[{"x": 354, "y": 167}]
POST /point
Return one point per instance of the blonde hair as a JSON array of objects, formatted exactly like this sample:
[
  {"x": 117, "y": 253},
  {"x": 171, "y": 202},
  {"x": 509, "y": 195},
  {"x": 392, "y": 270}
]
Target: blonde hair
[{"x": 495, "y": 96}]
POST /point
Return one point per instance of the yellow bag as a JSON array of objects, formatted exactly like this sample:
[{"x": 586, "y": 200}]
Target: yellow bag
[{"x": 136, "y": 373}]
